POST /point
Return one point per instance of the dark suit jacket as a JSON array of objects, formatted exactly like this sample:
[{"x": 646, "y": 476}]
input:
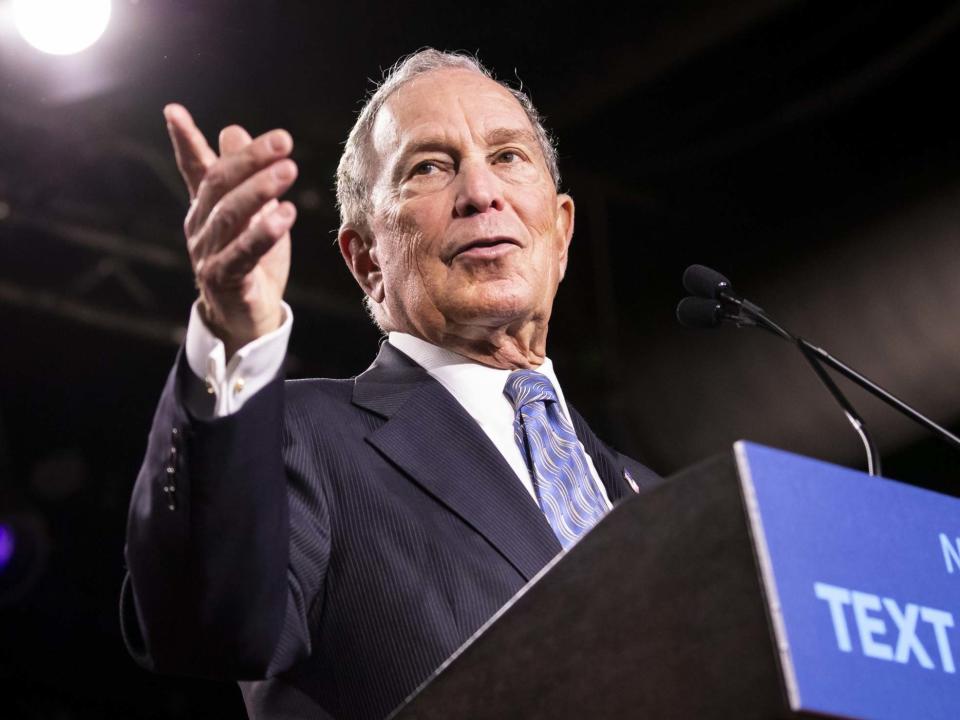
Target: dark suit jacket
[{"x": 331, "y": 543}]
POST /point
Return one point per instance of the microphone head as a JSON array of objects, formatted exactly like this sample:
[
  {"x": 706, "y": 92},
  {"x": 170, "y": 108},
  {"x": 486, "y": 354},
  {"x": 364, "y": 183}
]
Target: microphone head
[
  {"x": 705, "y": 282},
  {"x": 698, "y": 312}
]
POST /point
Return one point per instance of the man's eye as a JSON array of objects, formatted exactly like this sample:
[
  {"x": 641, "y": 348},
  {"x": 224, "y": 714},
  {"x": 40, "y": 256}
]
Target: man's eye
[
  {"x": 428, "y": 167},
  {"x": 509, "y": 156}
]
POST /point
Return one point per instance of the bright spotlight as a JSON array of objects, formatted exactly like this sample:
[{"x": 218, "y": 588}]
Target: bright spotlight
[{"x": 61, "y": 27}]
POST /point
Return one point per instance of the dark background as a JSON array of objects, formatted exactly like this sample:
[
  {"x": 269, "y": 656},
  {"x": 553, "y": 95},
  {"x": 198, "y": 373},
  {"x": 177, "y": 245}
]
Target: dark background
[{"x": 808, "y": 150}]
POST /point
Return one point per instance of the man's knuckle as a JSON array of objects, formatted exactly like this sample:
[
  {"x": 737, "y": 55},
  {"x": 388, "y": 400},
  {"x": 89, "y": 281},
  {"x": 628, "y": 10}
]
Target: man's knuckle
[
  {"x": 194, "y": 251},
  {"x": 266, "y": 189},
  {"x": 223, "y": 222},
  {"x": 215, "y": 179},
  {"x": 260, "y": 150},
  {"x": 194, "y": 166},
  {"x": 191, "y": 220},
  {"x": 204, "y": 274}
]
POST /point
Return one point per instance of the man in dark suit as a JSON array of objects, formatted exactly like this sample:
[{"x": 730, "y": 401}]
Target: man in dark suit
[{"x": 330, "y": 542}]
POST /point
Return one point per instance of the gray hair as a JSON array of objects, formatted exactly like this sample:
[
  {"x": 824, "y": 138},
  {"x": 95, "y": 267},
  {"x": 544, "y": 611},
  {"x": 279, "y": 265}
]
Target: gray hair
[{"x": 355, "y": 168}]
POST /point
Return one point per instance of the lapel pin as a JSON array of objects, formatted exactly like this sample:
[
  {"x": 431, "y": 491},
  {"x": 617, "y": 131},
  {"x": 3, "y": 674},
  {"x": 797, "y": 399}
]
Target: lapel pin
[{"x": 630, "y": 481}]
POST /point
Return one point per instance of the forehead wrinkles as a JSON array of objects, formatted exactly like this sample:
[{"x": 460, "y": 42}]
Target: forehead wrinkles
[{"x": 443, "y": 108}]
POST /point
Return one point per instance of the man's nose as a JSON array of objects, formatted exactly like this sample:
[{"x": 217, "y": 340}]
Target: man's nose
[{"x": 478, "y": 189}]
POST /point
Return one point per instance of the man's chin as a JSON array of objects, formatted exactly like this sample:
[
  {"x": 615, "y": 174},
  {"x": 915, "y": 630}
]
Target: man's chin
[{"x": 493, "y": 311}]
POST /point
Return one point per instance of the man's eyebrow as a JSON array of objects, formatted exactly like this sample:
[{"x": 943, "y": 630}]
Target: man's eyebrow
[
  {"x": 429, "y": 143},
  {"x": 504, "y": 135},
  {"x": 423, "y": 144}
]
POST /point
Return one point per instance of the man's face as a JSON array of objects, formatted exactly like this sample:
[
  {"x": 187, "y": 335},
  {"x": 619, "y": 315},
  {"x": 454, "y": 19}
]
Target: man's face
[{"x": 467, "y": 228}]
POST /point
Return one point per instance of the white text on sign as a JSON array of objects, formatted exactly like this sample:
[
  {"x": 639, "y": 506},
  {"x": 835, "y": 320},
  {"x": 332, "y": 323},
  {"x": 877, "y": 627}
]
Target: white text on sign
[{"x": 887, "y": 630}]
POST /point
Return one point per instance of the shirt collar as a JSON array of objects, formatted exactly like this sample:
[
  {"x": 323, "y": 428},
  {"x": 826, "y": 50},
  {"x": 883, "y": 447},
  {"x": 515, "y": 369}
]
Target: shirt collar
[{"x": 474, "y": 385}]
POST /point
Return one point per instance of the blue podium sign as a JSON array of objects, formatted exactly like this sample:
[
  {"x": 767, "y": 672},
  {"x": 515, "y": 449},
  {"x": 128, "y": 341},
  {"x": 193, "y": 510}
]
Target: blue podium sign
[{"x": 862, "y": 576}]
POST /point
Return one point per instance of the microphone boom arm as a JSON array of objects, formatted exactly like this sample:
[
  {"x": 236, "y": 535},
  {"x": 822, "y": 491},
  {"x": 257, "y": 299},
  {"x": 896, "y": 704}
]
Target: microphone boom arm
[
  {"x": 714, "y": 301},
  {"x": 759, "y": 318},
  {"x": 818, "y": 357},
  {"x": 873, "y": 452},
  {"x": 874, "y": 389}
]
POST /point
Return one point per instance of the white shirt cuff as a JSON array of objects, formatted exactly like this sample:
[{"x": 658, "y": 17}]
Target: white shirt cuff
[{"x": 250, "y": 369}]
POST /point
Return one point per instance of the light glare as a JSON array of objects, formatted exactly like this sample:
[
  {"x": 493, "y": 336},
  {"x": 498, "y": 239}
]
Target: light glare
[
  {"x": 6, "y": 545},
  {"x": 61, "y": 27}
]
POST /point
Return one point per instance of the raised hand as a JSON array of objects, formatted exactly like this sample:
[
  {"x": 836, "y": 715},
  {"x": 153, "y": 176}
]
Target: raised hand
[{"x": 237, "y": 230}]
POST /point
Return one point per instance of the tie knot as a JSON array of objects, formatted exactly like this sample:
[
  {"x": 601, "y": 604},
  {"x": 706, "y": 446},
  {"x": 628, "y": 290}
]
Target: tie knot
[{"x": 527, "y": 386}]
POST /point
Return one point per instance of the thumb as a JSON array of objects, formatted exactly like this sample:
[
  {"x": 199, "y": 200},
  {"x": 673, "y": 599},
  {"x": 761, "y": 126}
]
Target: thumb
[{"x": 192, "y": 153}]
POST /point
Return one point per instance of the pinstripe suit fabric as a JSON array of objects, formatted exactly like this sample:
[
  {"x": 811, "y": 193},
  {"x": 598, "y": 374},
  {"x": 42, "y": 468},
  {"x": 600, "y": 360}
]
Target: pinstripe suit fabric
[{"x": 333, "y": 542}]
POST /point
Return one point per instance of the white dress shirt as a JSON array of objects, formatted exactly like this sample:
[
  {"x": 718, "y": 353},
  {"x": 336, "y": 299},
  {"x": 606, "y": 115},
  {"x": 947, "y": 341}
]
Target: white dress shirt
[
  {"x": 478, "y": 388},
  {"x": 250, "y": 369}
]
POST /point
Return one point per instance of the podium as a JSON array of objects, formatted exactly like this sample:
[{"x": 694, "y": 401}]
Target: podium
[{"x": 757, "y": 584}]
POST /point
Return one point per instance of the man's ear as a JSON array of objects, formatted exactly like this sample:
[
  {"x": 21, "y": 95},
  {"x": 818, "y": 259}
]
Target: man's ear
[
  {"x": 359, "y": 250},
  {"x": 565, "y": 214}
]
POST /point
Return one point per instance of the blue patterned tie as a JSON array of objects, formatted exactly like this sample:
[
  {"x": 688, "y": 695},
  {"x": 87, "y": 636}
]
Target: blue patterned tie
[{"x": 565, "y": 490}]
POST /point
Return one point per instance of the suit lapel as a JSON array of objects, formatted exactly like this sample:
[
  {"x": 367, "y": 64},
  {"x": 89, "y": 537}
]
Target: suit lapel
[
  {"x": 609, "y": 469},
  {"x": 433, "y": 440}
]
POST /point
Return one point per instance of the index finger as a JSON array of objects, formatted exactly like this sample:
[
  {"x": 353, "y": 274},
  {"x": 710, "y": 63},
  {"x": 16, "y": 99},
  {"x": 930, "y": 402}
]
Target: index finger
[{"x": 192, "y": 152}]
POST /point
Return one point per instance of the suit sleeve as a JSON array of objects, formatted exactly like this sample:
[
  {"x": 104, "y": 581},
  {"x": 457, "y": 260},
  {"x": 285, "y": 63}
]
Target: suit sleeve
[{"x": 211, "y": 590}]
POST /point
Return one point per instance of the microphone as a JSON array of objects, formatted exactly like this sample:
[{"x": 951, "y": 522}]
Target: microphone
[
  {"x": 704, "y": 282},
  {"x": 699, "y": 312},
  {"x": 714, "y": 302}
]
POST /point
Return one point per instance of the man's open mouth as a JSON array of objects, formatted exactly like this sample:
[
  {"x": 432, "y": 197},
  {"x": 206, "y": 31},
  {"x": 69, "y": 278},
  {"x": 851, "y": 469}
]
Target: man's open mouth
[{"x": 487, "y": 247}]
